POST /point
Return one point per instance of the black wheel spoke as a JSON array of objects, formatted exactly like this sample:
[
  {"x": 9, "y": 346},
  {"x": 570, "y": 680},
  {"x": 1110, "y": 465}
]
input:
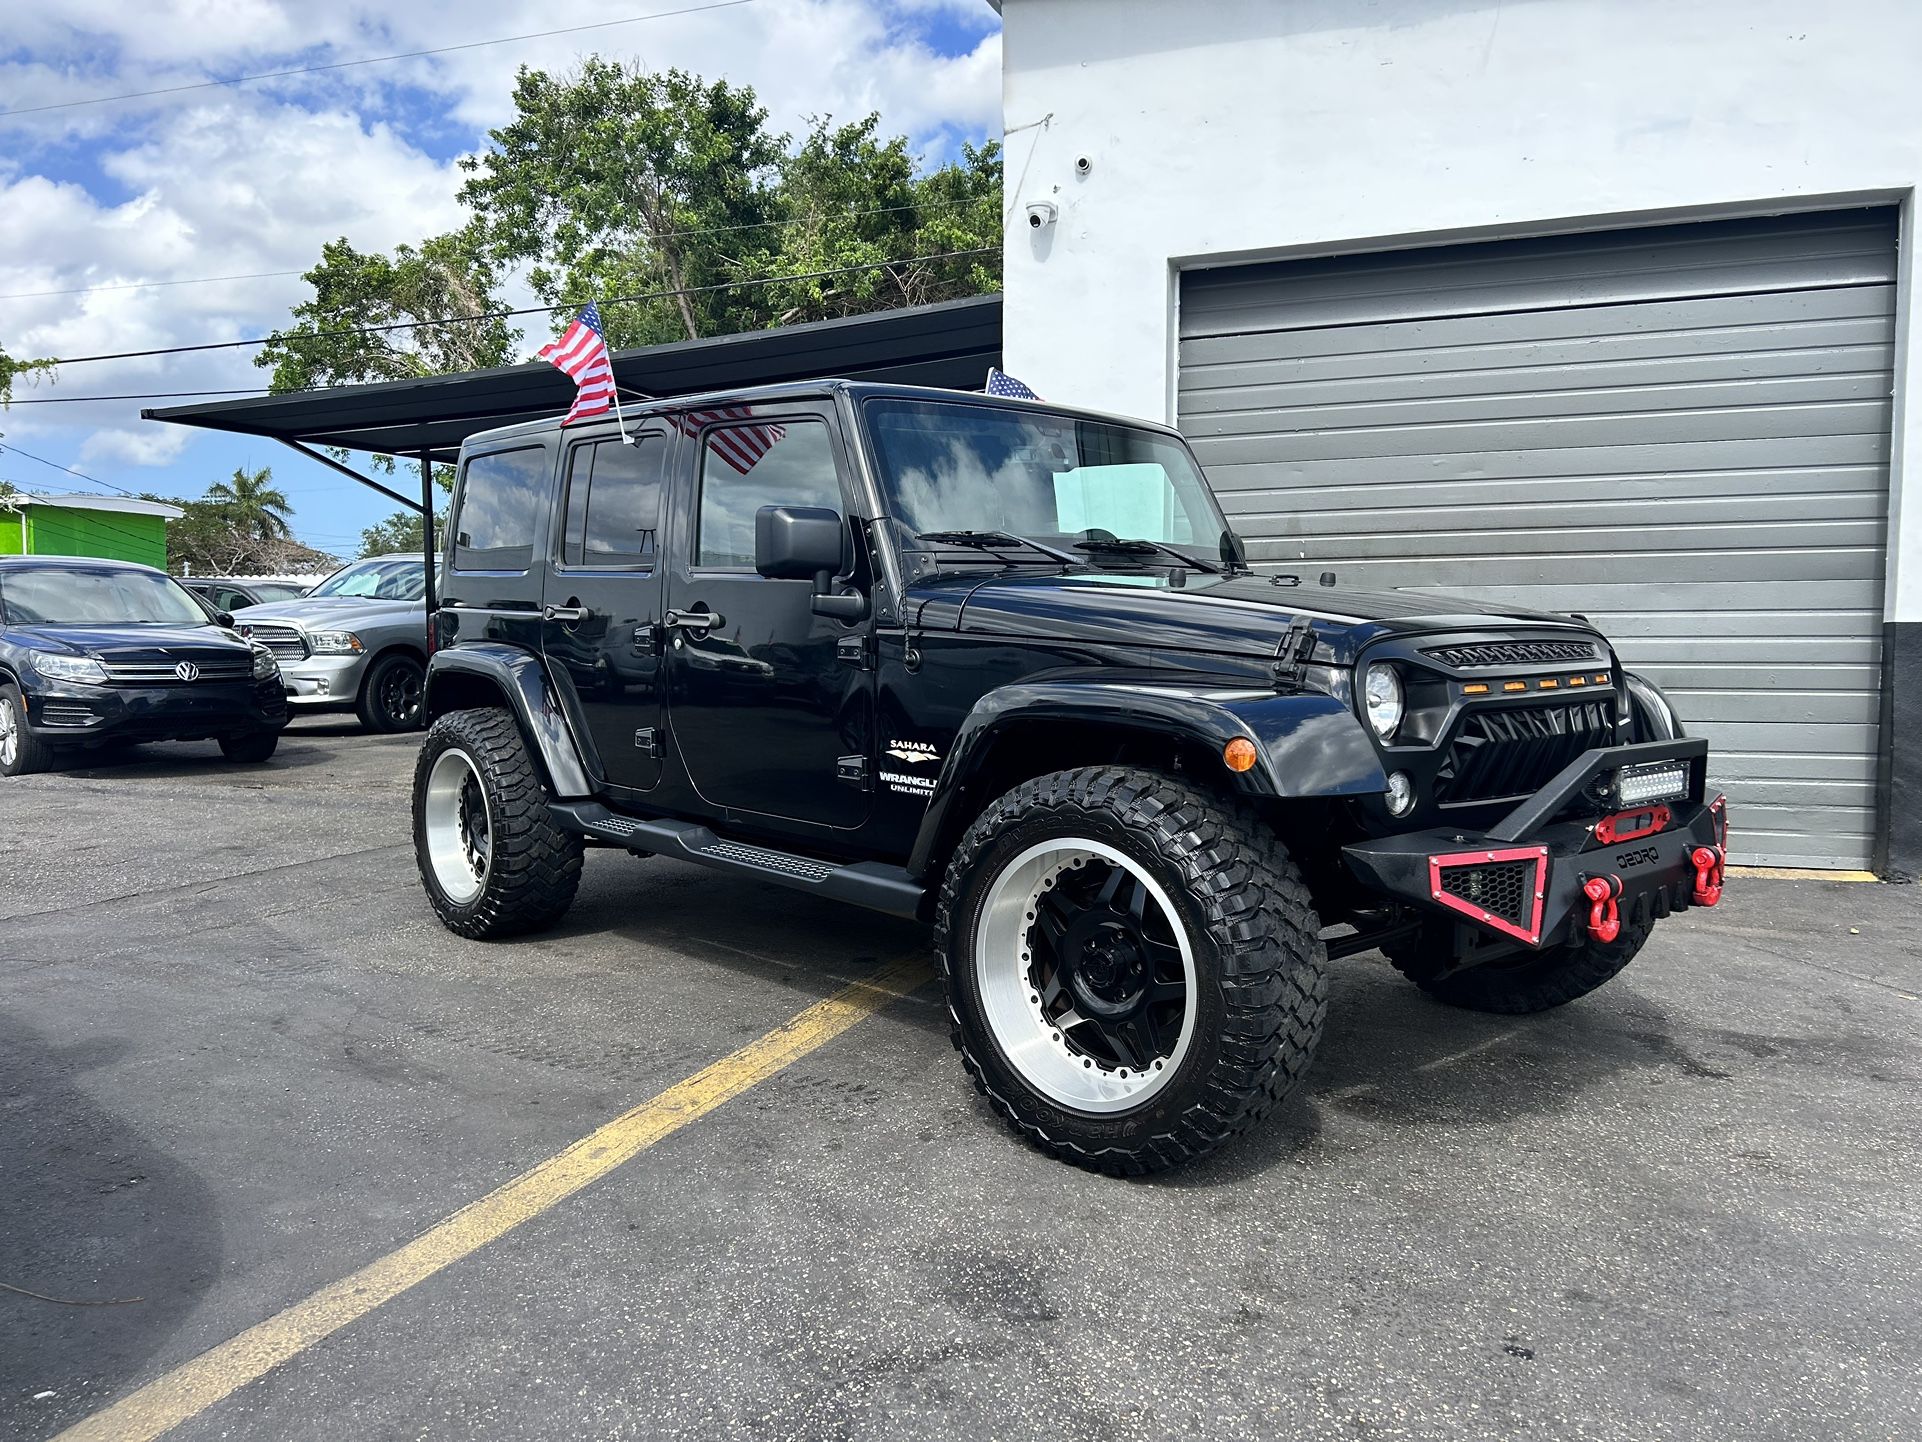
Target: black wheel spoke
[
  {"x": 1052, "y": 991},
  {"x": 1138, "y": 902},
  {"x": 1166, "y": 991},
  {"x": 1150, "y": 1034},
  {"x": 1051, "y": 915},
  {"x": 1129, "y": 1048},
  {"x": 1111, "y": 887}
]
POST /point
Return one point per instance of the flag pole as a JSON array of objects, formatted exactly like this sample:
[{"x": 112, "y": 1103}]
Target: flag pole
[{"x": 619, "y": 419}]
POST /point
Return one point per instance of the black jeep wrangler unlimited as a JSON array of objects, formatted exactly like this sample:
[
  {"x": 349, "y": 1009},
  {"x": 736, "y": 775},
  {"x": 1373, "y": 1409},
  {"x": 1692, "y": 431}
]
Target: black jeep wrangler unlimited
[{"x": 1002, "y": 666}]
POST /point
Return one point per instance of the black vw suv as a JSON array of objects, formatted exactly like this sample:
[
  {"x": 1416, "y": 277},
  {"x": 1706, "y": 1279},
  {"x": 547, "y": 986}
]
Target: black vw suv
[
  {"x": 96, "y": 652},
  {"x": 1002, "y": 666}
]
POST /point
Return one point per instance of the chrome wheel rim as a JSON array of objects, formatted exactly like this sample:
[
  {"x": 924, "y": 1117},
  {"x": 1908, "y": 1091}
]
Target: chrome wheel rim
[
  {"x": 1086, "y": 975},
  {"x": 9, "y": 732},
  {"x": 459, "y": 826}
]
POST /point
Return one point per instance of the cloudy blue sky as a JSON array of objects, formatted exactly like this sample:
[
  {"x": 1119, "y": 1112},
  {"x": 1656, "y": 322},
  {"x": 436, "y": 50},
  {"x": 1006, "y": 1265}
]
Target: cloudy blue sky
[{"x": 128, "y": 207}]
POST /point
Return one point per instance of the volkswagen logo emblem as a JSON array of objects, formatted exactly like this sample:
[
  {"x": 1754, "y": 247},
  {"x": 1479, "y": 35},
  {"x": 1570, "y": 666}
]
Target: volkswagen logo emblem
[{"x": 187, "y": 671}]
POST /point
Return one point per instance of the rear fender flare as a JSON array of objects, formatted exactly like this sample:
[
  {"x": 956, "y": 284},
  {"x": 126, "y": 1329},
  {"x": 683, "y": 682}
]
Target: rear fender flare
[
  {"x": 1307, "y": 744},
  {"x": 521, "y": 679}
]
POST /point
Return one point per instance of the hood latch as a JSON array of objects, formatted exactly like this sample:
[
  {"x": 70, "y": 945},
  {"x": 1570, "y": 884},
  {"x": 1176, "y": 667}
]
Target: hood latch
[{"x": 1291, "y": 657}]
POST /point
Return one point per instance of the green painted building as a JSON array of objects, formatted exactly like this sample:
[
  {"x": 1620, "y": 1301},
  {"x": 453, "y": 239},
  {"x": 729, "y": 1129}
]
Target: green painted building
[{"x": 120, "y": 529}]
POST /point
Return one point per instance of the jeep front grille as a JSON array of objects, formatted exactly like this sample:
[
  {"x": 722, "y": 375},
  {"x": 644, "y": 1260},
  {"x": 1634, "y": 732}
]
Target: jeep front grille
[
  {"x": 286, "y": 642},
  {"x": 1514, "y": 751},
  {"x": 1512, "y": 653}
]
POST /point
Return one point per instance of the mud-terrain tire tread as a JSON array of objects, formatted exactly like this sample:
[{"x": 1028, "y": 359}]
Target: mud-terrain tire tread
[
  {"x": 257, "y": 747},
  {"x": 1540, "y": 983},
  {"x": 33, "y": 754},
  {"x": 536, "y": 867},
  {"x": 1261, "y": 919}
]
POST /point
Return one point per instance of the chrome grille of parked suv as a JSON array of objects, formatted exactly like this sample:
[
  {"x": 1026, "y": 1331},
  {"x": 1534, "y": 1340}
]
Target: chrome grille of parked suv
[
  {"x": 286, "y": 642},
  {"x": 162, "y": 673},
  {"x": 1512, "y": 653}
]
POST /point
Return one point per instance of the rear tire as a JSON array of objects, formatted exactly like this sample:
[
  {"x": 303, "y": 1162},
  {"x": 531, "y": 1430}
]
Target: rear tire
[
  {"x": 253, "y": 748},
  {"x": 1529, "y": 982},
  {"x": 1134, "y": 968},
  {"x": 492, "y": 858},
  {"x": 21, "y": 752},
  {"x": 393, "y": 696}
]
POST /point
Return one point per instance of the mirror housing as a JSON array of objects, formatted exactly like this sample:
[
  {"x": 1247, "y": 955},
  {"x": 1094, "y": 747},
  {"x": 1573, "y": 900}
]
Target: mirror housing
[
  {"x": 807, "y": 543},
  {"x": 224, "y": 618}
]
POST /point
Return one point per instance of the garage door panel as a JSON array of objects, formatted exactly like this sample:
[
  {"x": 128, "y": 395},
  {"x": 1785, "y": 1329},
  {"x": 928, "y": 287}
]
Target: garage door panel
[
  {"x": 1812, "y": 767},
  {"x": 1589, "y": 516},
  {"x": 1657, "y": 328},
  {"x": 1722, "y": 605},
  {"x": 1545, "y": 433},
  {"x": 1494, "y": 569},
  {"x": 1742, "y": 675},
  {"x": 1824, "y": 707},
  {"x": 1828, "y": 849},
  {"x": 1797, "y": 654},
  {"x": 1832, "y": 373},
  {"x": 1739, "y": 457}
]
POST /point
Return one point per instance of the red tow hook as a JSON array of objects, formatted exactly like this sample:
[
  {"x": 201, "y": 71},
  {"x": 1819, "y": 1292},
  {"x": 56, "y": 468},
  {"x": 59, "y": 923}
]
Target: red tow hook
[
  {"x": 1604, "y": 922},
  {"x": 1707, "y": 861}
]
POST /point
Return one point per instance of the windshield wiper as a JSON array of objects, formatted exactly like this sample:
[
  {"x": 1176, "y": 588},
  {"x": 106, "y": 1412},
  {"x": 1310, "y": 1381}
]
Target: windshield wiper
[
  {"x": 989, "y": 540},
  {"x": 1115, "y": 546}
]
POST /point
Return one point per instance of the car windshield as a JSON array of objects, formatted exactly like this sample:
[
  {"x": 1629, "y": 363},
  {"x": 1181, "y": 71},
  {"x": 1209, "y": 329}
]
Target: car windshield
[
  {"x": 95, "y": 596},
  {"x": 400, "y": 579},
  {"x": 952, "y": 466},
  {"x": 276, "y": 590}
]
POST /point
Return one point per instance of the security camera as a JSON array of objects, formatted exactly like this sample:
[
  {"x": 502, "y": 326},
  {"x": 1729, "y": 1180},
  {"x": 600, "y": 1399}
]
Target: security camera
[{"x": 1040, "y": 213}]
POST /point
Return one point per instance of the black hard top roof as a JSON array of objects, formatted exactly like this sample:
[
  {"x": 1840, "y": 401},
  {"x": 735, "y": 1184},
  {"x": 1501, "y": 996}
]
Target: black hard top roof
[{"x": 950, "y": 344}]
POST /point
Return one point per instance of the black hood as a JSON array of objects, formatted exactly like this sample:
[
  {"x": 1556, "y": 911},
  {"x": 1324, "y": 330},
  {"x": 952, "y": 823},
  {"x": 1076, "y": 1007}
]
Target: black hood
[
  {"x": 1223, "y": 615},
  {"x": 150, "y": 645}
]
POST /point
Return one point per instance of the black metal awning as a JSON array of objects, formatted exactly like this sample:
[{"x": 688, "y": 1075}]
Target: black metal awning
[{"x": 949, "y": 344}]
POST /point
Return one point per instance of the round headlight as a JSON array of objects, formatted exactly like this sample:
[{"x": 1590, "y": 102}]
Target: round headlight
[{"x": 1381, "y": 692}]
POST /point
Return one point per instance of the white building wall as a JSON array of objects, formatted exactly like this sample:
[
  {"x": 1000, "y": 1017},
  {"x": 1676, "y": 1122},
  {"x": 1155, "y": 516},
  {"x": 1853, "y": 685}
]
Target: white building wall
[{"x": 1259, "y": 129}]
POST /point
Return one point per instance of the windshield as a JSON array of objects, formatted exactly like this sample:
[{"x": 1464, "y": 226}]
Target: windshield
[
  {"x": 951, "y": 466},
  {"x": 400, "y": 579},
  {"x": 276, "y": 590},
  {"x": 95, "y": 596}
]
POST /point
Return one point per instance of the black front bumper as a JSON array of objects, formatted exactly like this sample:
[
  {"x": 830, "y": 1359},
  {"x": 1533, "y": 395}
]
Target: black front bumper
[
  {"x": 70, "y": 714},
  {"x": 1527, "y": 878}
]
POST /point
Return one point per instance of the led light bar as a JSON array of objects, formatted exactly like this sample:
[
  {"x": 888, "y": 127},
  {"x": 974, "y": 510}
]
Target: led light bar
[{"x": 1656, "y": 781}]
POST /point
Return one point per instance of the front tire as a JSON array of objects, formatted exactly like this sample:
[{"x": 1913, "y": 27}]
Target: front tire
[
  {"x": 253, "y": 748},
  {"x": 1134, "y": 968},
  {"x": 492, "y": 858},
  {"x": 21, "y": 752},
  {"x": 394, "y": 694},
  {"x": 1514, "y": 986}
]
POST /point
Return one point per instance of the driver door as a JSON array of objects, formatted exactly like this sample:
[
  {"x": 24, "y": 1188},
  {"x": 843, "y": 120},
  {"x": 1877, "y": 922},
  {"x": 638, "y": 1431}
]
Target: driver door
[{"x": 767, "y": 719}]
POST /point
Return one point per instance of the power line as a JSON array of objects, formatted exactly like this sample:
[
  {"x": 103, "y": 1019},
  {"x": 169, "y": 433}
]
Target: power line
[
  {"x": 525, "y": 310},
  {"x": 10, "y": 446},
  {"x": 935, "y": 205},
  {"x": 371, "y": 59}
]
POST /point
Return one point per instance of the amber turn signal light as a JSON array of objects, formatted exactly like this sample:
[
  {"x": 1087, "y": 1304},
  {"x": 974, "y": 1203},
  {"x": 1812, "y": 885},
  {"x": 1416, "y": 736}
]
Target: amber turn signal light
[{"x": 1239, "y": 754}]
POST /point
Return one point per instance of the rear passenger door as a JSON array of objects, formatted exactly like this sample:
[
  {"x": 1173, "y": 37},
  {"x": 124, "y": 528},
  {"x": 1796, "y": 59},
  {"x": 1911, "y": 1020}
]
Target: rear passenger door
[{"x": 602, "y": 603}]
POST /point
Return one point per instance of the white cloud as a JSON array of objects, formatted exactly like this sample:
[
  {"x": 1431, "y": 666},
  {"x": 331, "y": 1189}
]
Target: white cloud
[{"x": 148, "y": 446}]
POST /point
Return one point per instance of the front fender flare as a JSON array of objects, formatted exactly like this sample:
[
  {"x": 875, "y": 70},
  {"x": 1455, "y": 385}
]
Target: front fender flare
[
  {"x": 1307, "y": 744},
  {"x": 521, "y": 679}
]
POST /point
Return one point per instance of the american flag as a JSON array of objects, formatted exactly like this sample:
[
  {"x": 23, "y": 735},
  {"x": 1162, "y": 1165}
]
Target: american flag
[
  {"x": 1000, "y": 383},
  {"x": 582, "y": 354},
  {"x": 739, "y": 446}
]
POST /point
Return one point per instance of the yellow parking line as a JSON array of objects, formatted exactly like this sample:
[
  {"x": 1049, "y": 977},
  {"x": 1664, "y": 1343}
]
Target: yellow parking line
[
  {"x": 1799, "y": 873},
  {"x": 195, "y": 1386}
]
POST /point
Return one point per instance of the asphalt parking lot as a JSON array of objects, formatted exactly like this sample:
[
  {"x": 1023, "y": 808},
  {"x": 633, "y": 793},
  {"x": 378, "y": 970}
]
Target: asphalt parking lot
[{"x": 239, "y": 1060}]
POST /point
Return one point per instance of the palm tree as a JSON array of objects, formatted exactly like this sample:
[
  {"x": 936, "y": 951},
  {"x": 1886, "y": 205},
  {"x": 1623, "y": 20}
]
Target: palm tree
[{"x": 256, "y": 507}]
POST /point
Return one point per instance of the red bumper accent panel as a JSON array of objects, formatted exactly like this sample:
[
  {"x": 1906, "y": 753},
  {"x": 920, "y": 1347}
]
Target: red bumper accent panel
[
  {"x": 1538, "y": 885},
  {"x": 1628, "y": 825}
]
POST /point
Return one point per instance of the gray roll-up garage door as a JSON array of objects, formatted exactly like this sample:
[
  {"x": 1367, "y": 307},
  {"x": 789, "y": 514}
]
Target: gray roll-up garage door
[{"x": 1682, "y": 432}]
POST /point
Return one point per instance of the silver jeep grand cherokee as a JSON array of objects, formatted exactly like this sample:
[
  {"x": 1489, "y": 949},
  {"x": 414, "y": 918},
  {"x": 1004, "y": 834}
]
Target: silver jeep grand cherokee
[{"x": 356, "y": 642}]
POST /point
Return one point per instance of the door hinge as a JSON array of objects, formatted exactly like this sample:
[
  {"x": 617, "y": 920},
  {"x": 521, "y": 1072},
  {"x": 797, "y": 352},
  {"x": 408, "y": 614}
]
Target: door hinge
[
  {"x": 647, "y": 640},
  {"x": 856, "y": 651},
  {"x": 854, "y": 771},
  {"x": 647, "y": 741}
]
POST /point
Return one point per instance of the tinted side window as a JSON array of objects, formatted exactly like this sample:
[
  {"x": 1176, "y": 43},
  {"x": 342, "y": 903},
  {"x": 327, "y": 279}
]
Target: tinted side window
[
  {"x": 744, "y": 468},
  {"x": 500, "y": 497},
  {"x": 614, "y": 502}
]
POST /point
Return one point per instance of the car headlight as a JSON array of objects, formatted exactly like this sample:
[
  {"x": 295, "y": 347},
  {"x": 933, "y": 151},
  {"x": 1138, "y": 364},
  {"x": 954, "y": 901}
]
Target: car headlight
[
  {"x": 334, "y": 643},
  {"x": 265, "y": 666},
  {"x": 69, "y": 668},
  {"x": 1381, "y": 693}
]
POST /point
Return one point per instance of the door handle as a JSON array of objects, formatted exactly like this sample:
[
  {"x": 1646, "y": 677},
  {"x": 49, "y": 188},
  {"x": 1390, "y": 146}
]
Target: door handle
[
  {"x": 693, "y": 620},
  {"x": 569, "y": 614}
]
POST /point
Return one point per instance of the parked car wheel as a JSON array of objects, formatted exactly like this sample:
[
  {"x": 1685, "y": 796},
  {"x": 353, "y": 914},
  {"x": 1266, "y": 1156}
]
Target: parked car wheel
[
  {"x": 1134, "y": 967},
  {"x": 1530, "y": 981},
  {"x": 256, "y": 747},
  {"x": 21, "y": 752},
  {"x": 492, "y": 858},
  {"x": 394, "y": 694}
]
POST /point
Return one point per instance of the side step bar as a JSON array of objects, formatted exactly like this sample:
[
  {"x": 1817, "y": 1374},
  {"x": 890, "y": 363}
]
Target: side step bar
[{"x": 872, "y": 884}]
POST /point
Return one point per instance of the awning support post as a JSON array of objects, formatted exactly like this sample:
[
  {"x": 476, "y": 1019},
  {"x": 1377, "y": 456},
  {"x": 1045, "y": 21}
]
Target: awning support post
[{"x": 427, "y": 529}]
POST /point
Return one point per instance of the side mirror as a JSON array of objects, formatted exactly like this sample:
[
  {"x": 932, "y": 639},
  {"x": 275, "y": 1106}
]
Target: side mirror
[
  {"x": 224, "y": 618},
  {"x": 801, "y": 543}
]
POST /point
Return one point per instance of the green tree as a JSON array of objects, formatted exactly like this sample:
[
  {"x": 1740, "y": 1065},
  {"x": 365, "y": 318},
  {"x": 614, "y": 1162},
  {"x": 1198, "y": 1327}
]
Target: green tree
[
  {"x": 401, "y": 531},
  {"x": 618, "y": 180},
  {"x": 12, "y": 370},
  {"x": 448, "y": 275},
  {"x": 208, "y": 540},
  {"x": 254, "y": 506}
]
